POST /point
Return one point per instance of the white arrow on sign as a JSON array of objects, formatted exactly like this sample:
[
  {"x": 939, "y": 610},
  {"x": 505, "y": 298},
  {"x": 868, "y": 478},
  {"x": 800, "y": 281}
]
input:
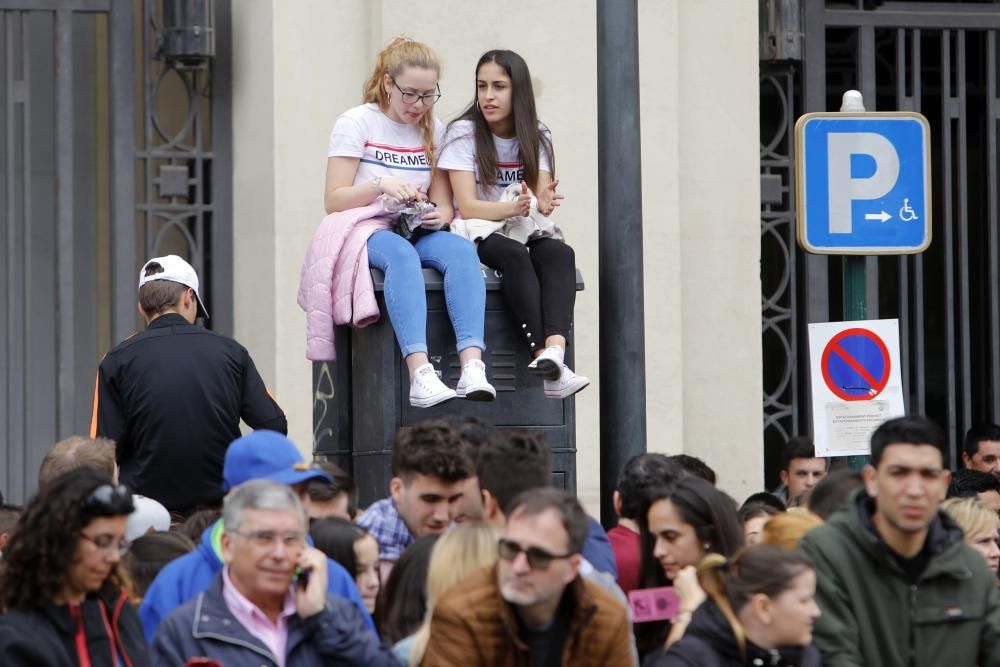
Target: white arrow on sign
[{"x": 881, "y": 217}]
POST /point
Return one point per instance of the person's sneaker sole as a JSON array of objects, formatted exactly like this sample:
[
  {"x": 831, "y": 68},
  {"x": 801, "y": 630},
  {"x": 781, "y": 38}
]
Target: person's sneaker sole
[
  {"x": 431, "y": 401},
  {"x": 578, "y": 384},
  {"x": 547, "y": 369},
  {"x": 481, "y": 394}
]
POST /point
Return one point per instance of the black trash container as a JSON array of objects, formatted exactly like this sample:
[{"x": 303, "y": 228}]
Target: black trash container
[{"x": 362, "y": 399}]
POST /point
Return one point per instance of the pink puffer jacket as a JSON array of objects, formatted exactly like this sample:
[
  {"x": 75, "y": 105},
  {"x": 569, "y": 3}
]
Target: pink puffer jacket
[{"x": 335, "y": 286}]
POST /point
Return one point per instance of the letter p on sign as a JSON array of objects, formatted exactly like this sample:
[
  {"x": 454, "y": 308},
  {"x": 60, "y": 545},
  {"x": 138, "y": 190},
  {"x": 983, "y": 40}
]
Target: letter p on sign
[{"x": 844, "y": 187}]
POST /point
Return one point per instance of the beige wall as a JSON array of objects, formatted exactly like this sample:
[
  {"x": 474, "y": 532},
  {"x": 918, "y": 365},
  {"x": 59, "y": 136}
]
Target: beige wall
[{"x": 299, "y": 63}]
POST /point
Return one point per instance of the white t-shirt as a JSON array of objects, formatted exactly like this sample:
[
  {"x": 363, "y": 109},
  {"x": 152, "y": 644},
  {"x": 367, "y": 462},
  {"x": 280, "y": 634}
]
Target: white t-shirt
[
  {"x": 457, "y": 152},
  {"x": 385, "y": 147}
]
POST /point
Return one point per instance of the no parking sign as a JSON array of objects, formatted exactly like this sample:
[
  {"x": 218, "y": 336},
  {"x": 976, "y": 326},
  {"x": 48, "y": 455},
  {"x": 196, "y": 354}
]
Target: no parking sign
[{"x": 856, "y": 383}]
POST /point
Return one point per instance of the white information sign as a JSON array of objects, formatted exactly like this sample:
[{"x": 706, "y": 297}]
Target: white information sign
[{"x": 856, "y": 383}]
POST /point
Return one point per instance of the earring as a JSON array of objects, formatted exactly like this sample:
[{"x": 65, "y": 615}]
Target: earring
[{"x": 707, "y": 546}]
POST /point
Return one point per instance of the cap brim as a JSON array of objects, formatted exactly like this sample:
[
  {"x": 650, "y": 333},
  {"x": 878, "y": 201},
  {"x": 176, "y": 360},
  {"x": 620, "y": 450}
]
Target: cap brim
[
  {"x": 293, "y": 477},
  {"x": 201, "y": 307}
]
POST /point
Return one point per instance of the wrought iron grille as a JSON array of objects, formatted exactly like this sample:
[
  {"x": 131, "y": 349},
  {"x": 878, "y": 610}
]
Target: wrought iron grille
[
  {"x": 184, "y": 193},
  {"x": 779, "y": 314}
]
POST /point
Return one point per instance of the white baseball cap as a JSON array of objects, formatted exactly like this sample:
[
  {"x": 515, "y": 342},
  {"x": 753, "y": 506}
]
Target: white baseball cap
[{"x": 176, "y": 270}]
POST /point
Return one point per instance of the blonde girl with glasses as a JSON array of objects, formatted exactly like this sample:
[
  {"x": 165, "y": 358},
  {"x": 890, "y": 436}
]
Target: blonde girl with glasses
[{"x": 386, "y": 146}]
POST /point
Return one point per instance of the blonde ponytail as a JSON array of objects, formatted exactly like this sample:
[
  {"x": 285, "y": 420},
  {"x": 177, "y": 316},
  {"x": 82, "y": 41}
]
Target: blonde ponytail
[
  {"x": 760, "y": 569},
  {"x": 402, "y": 52},
  {"x": 712, "y": 579}
]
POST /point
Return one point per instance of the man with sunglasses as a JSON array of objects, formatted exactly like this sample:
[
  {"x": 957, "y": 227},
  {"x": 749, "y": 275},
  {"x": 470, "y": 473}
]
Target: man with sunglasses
[
  {"x": 270, "y": 601},
  {"x": 532, "y": 607}
]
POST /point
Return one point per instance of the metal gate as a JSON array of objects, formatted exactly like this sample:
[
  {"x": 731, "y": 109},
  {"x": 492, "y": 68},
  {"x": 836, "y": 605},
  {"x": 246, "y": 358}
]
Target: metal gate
[
  {"x": 74, "y": 227},
  {"x": 940, "y": 59}
]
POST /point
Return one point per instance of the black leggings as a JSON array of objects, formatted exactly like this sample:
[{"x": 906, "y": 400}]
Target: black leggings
[{"x": 538, "y": 286}]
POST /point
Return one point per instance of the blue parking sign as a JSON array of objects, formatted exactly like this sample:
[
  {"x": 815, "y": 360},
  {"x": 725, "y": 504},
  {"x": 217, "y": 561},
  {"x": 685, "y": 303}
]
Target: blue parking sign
[{"x": 863, "y": 183}]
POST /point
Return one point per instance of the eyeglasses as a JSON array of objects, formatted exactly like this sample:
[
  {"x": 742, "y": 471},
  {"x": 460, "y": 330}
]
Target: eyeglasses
[
  {"x": 538, "y": 559},
  {"x": 267, "y": 538},
  {"x": 411, "y": 98},
  {"x": 106, "y": 543},
  {"x": 111, "y": 498}
]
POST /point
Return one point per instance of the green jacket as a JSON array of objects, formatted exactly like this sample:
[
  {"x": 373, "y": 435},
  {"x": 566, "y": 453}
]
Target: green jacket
[{"x": 872, "y": 616}]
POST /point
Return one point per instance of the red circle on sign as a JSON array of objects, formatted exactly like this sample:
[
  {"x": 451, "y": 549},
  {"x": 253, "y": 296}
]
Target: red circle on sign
[{"x": 879, "y": 383}]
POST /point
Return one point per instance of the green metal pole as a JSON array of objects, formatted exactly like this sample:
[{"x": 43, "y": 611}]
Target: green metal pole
[
  {"x": 855, "y": 308},
  {"x": 855, "y": 283}
]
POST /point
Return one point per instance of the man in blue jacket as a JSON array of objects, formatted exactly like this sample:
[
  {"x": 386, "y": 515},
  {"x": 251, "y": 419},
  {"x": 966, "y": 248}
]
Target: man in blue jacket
[
  {"x": 259, "y": 455},
  {"x": 270, "y": 600}
]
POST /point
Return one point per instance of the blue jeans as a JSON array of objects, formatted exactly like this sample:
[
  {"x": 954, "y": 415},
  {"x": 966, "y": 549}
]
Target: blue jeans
[{"x": 464, "y": 288}]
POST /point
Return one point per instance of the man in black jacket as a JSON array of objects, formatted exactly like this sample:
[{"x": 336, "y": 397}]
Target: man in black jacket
[{"x": 172, "y": 396}]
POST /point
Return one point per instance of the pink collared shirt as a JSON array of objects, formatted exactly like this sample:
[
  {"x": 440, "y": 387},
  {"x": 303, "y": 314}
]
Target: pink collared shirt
[{"x": 274, "y": 636}]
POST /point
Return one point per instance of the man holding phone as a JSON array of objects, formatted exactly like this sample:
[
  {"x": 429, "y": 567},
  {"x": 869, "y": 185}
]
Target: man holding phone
[{"x": 270, "y": 600}]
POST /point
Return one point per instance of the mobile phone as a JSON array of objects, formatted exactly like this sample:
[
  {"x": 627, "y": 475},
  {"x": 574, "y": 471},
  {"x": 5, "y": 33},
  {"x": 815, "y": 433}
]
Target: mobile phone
[{"x": 302, "y": 577}]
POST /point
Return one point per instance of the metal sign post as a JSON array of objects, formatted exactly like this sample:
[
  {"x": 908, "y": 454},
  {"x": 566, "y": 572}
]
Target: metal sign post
[{"x": 863, "y": 189}]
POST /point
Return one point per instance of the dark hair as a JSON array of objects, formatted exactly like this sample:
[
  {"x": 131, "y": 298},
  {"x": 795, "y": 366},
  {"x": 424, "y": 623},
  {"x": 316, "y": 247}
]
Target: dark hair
[
  {"x": 967, "y": 483},
  {"x": 977, "y": 434},
  {"x": 335, "y": 536},
  {"x": 709, "y": 511},
  {"x": 832, "y": 491},
  {"x": 33, "y": 570},
  {"x": 195, "y": 525},
  {"x": 149, "y": 554},
  {"x": 695, "y": 467},
  {"x": 574, "y": 519},
  {"x": 322, "y": 491},
  {"x": 74, "y": 452},
  {"x": 474, "y": 431},
  {"x": 755, "y": 510},
  {"x": 799, "y": 447},
  {"x": 511, "y": 462},
  {"x": 431, "y": 448},
  {"x": 764, "y": 568},
  {"x": 765, "y": 498},
  {"x": 913, "y": 430},
  {"x": 158, "y": 295},
  {"x": 643, "y": 472},
  {"x": 531, "y": 135},
  {"x": 402, "y": 602}
]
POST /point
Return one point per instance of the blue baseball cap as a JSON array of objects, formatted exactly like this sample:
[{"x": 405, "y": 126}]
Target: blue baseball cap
[{"x": 266, "y": 455}]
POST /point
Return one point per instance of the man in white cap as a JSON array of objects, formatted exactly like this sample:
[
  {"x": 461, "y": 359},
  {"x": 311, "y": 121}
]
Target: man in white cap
[{"x": 172, "y": 396}]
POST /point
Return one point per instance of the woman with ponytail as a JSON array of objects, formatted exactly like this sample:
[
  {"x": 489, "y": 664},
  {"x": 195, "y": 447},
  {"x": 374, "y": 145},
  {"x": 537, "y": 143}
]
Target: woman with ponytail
[
  {"x": 760, "y": 611},
  {"x": 386, "y": 147}
]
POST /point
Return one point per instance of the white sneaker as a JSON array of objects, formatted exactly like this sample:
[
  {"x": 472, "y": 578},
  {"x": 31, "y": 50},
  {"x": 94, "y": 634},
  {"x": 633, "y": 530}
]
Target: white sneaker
[
  {"x": 568, "y": 384},
  {"x": 472, "y": 386},
  {"x": 549, "y": 363},
  {"x": 427, "y": 389}
]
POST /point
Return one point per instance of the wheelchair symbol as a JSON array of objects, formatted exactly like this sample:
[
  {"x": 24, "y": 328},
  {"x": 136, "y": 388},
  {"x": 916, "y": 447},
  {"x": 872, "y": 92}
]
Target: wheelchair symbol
[{"x": 907, "y": 214}]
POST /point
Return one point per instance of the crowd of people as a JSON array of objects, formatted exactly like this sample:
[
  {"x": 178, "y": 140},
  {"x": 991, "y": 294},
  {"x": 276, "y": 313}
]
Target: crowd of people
[
  {"x": 167, "y": 538},
  {"x": 474, "y": 558}
]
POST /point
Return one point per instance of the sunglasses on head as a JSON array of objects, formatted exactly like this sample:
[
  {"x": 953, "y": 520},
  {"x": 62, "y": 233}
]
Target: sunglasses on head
[
  {"x": 538, "y": 558},
  {"x": 111, "y": 498}
]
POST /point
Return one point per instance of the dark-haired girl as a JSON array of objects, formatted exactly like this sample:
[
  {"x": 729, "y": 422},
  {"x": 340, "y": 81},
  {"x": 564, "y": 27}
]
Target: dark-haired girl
[
  {"x": 353, "y": 547},
  {"x": 680, "y": 526},
  {"x": 62, "y": 589},
  {"x": 501, "y": 166},
  {"x": 760, "y": 611}
]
